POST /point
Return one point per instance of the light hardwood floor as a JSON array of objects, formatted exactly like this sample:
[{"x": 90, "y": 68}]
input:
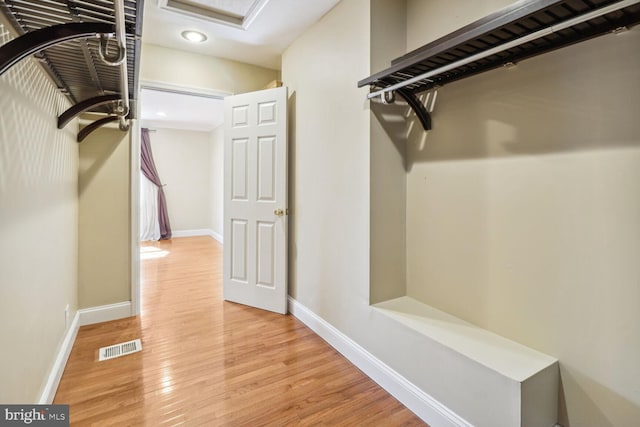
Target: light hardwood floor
[{"x": 206, "y": 362}]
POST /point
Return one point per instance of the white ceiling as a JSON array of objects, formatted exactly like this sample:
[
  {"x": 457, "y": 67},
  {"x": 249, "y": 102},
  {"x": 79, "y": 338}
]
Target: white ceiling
[
  {"x": 275, "y": 26},
  {"x": 270, "y": 26},
  {"x": 160, "y": 109}
]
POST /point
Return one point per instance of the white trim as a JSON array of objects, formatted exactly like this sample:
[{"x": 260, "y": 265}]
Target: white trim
[
  {"x": 105, "y": 313},
  {"x": 422, "y": 404},
  {"x": 197, "y": 232},
  {"x": 191, "y": 233},
  {"x": 50, "y": 388},
  {"x": 184, "y": 90},
  {"x": 135, "y": 136},
  {"x": 216, "y": 236}
]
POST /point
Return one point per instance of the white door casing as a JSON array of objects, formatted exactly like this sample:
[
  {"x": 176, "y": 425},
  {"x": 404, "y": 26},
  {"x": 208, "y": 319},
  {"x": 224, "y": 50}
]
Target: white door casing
[{"x": 255, "y": 199}]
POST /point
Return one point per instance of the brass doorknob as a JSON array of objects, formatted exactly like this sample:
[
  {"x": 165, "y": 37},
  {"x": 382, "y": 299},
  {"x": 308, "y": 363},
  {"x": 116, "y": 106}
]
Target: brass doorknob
[{"x": 279, "y": 212}]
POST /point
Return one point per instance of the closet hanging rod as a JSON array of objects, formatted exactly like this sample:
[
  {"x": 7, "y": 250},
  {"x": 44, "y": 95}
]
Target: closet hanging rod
[
  {"x": 121, "y": 36},
  {"x": 522, "y": 40}
]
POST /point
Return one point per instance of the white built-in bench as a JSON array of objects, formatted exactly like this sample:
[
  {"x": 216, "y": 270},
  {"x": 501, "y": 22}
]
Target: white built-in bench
[{"x": 523, "y": 381}]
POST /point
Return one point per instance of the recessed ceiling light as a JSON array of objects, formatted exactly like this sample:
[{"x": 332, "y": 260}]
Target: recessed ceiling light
[
  {"x": 161, "y": 114},
  {"x": 194, "y": 36}
]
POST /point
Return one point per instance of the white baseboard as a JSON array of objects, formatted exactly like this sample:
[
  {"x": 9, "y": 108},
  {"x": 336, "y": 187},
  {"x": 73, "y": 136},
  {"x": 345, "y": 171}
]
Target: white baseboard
[
  {"x": 216, "y": 236},
  {"x": 191, "y": 233},
  {"x": 423, "y": 405},
  {"x": 104, "y": 313},
  {"x": 197, "y": 232},
  {"x": 86, "y": 316},
  {"x": 51, "y": 386}
]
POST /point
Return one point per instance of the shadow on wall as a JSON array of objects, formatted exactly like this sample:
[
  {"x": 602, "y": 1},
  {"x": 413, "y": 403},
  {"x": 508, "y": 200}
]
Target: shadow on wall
[
  {"x": 94, "y": 152},
  {"x": 291, "y": 111},
  {"x": 574, "y": 384},
  {"x": 395, "y": 119},
  {"x": 540, "y": 106},
  {"x": 566, "y": 240}
]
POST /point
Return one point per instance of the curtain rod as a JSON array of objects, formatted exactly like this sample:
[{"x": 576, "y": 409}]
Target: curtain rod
[{"x": 533, "y": 36}]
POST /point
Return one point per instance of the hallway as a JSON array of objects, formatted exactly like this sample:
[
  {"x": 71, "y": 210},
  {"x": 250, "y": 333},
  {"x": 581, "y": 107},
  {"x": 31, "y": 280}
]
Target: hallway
[{"x": 209, "y": 362}]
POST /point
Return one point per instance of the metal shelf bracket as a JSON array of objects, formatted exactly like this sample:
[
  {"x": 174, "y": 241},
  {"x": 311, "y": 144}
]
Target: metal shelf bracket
[
  {"x": 418, "y": 107},
  {"x": 84, "y": 106},
  {"x": 87, "y": 130}
]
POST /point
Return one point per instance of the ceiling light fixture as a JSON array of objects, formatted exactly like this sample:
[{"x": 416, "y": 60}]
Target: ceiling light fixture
[
  {"x": 161, "y": 114},
  {"x": 194, "y": 36}
]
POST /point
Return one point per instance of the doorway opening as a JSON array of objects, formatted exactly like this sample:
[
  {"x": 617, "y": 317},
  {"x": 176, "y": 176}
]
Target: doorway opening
[
  {"x": 186, "y": 136},
  {"x": 188, "y": 167}
]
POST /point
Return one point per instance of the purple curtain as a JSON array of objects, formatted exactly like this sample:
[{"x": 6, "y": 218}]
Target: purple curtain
[{"x": 148, "y": 167}]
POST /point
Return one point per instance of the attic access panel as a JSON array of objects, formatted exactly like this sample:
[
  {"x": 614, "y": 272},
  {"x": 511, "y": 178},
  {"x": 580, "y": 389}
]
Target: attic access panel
[
  {"x": 75, "y": 66},
  {"x": 235, "y": 13},
  {"x": 519, "y": 20}
]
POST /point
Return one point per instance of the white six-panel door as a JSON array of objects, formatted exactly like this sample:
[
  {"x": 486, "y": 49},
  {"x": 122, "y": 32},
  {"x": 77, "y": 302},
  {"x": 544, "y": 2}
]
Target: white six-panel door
[{"x": 255, "y": 199}]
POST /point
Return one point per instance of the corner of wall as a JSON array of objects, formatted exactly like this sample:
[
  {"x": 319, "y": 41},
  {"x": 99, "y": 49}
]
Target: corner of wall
[
  {"x": 104, "y": 262},
  {"x": 387, "y": 160}
]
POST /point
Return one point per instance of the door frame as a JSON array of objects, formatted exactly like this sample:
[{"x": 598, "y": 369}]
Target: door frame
[{"x": 134, "y": 172}]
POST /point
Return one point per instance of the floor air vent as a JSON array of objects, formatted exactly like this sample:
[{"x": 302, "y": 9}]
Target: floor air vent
[{"x": 118, "y": 350}]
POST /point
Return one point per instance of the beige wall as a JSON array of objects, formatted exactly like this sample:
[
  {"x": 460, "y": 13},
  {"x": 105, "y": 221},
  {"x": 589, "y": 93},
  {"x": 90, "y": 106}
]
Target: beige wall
[
  {"x": 105, "y": 254},
  {"x": 523, "y": 210},
  {"x": 329, "y": 147},
  {"x": 182, "y": 158},
  {"x": 445, "y": 16},
  {"x": 161, "y": 64},
  {"x": 387, "y": 161},
  {"x": 527, "y": 186},
  {"x": 104, "y": 257},
  {"x": 38, "y": 228},
  {"x": 217, "y": 184},
  {"x": 329, "y": 197}
]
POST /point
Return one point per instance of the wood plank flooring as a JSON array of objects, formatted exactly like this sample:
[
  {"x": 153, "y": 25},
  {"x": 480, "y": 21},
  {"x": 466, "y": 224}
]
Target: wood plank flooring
[{"x": 206, "y": 362}]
